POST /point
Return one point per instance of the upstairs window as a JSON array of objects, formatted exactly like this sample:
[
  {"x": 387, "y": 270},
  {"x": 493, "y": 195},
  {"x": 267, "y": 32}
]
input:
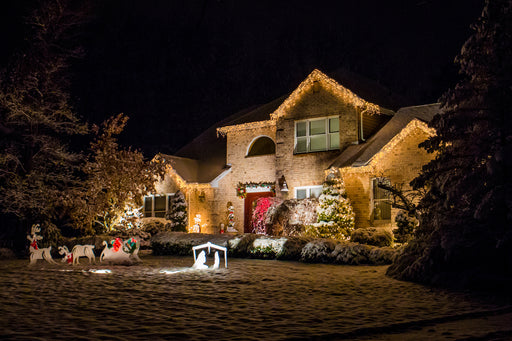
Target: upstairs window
[
  {"x": 317, "y": 135},
  {"x": 262, "y": 146}
]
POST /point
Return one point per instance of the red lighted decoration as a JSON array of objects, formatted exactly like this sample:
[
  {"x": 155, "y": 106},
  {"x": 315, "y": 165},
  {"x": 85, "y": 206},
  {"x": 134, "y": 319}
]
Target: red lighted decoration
[{"x": 259, "y": 215}]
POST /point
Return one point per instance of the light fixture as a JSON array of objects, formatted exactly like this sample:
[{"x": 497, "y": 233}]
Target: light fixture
[
  {"x": 282, "y": 184},
  {"x": 202, "y": 196}
]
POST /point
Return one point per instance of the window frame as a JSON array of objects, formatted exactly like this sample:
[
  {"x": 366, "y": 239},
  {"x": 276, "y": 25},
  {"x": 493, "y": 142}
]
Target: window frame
[
  {"x": 167, "y": 196},
  {"x": 327, "y": 133},
  {"x": 374, "y": 201},
  {"x": 308, "y": 190}
]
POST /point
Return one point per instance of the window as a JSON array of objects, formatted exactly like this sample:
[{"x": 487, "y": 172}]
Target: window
[
  {"x": 262, "y": 146},
  {"x": 157, "y": 205},
  {"x": 381, "y": 200},
  {"x": 317, "y": 135},
  {"x": 308, "y": 192}
]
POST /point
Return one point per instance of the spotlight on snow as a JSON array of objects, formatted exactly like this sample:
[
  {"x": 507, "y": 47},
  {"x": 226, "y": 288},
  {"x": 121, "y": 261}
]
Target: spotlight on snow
[{"x": 101, "y": 271}]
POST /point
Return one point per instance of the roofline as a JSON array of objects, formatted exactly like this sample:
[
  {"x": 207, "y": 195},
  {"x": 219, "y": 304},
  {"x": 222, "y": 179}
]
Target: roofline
[
  {"x": 223, "y": 131},
  {"x": 369, "y": 166},
  {"x": 317, "y": 75}
]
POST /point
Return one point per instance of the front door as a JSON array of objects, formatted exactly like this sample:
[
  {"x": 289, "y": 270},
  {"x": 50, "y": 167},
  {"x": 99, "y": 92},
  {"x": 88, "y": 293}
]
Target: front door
[{"x": 249, "y": 203}]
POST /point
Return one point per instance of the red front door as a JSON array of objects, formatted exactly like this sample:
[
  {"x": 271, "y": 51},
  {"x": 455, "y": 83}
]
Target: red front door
[{"x": 249, "y": 206}]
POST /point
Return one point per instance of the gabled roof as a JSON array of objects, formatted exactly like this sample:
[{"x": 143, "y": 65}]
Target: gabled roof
[
  {"x": 361, "y": 154},
  {"x": 203, "y": 159},
  {"x": 330, "y": 84}
]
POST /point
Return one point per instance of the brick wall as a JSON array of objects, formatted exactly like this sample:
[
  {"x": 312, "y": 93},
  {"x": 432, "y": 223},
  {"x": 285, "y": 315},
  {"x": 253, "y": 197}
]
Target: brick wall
[
  {"x": 308, "y": 169},
  {"x": 401, "y": 165}
]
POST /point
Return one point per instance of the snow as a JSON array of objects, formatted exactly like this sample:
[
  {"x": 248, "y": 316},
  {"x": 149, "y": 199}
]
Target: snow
[{"x": 251, "y": 300}]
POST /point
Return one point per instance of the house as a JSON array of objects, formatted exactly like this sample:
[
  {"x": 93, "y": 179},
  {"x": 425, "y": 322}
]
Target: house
[{"x": 286, "y": 148}]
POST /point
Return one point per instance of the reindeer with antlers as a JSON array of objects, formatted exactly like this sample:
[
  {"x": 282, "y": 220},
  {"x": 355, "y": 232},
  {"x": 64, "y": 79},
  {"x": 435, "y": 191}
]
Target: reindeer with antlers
[{"x": 35, "y": 252}]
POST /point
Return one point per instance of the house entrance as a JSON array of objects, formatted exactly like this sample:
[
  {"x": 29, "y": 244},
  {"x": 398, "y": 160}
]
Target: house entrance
[{"x": 249, "y": 203}]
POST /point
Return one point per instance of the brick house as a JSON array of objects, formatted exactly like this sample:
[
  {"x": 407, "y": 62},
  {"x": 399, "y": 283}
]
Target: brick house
[{"x": 286, "y": 147}]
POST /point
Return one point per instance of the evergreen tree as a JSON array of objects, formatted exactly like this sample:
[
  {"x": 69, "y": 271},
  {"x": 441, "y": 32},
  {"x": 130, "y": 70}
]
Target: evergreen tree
[
  {"x": 178, "y": 213},
  {"x": 465, "y": 231},
  {"x": 336, "y": 217},
  {"x": 36, "y": 119}
]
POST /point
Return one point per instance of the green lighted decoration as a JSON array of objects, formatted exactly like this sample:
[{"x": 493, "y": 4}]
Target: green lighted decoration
[{"x": 241, "y": 188}]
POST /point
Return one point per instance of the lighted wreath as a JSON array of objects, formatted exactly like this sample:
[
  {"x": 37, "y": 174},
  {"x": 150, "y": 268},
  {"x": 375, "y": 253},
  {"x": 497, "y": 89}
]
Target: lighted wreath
[{"x": 241, "y": 188}]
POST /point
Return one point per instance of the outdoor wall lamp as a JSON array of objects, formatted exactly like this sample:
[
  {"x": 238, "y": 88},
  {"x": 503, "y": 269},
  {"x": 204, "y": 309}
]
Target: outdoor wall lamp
[
  {"x": 202, "y": 196},
  {"x": 282, "y": 184}
]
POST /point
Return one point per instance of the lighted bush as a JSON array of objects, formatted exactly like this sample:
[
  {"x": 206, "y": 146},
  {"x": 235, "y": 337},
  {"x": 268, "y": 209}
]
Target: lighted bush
[
  {"x": 406, "y": 225},
  {"x": 336, "y": 217},
  {"x": 178, "y": 213},
  {"x": 260, "y": 215},
  {"x": 372, "y": 236}
]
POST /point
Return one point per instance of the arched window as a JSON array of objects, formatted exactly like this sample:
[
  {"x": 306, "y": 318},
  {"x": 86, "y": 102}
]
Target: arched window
[{"x": 262, "y": 145}]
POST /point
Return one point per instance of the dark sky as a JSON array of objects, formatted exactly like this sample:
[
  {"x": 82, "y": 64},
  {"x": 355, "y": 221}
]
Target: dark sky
[{"x": 177, "y": 67}]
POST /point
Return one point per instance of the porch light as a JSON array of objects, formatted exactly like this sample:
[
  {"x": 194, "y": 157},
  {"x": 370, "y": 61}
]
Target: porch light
[{"x": 283, "y": 184}]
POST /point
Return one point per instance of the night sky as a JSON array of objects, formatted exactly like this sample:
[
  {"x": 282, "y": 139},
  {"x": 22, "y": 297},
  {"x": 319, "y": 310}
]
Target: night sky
[{"x": 177, "y": 67}]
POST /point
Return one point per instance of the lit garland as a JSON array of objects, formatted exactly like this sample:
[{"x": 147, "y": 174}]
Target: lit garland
[
  {"x": 370, "y": 167},
  {"x": 333, "y": 86},
  {"x": 241, "y": 188},
  {"x": 223, "y": 131}
]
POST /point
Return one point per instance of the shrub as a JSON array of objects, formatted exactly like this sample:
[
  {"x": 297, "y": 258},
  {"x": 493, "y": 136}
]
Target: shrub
[
  {"x": 178, "y": 215},
  {"x": 153, "y": 227},
  {"x": 289, "y": 217},
  {"x": 336, "y": 217},
  {"x": 406, "y": 225},
  {"x": 372, "y": 236}
]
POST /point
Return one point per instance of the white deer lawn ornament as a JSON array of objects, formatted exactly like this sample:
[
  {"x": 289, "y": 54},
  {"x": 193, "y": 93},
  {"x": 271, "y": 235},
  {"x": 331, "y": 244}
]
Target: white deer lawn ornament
[
  {"x": 83, "y": 251},
  {"x": 67, "y": 255},
  {"x": 35, "y": 252},
  {"x": 77, "y": 252}
]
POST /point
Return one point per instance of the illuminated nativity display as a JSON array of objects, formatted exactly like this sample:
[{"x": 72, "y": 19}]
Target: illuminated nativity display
[{"x": 286, "y": 149}]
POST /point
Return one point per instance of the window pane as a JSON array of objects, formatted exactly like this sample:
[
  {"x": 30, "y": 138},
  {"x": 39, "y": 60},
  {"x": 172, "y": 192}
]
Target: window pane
[
  {"x": 301, "y": 193},
  {"x": 301, "y": 129},
  {"x": 160, "y": 203},
  {"x": 302, "y": 145},
  {"x": 382, "y": 210},
  {"x": 315, "y": 192},
  {"x": 148, "y": 202},
  {"x": 317, "y": 127},
  {"x": 334, "y": 141},
  {"x": 334, "y": 125},
  {"x": 318, "y": 143}
]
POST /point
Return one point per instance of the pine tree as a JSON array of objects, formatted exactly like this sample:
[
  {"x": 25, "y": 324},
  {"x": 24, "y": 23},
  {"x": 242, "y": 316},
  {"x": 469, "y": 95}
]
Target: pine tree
[
  {"x": 178, "y": 214},
  {"x": 466, "y": 230},
  {"x": 336, "y": 217}
]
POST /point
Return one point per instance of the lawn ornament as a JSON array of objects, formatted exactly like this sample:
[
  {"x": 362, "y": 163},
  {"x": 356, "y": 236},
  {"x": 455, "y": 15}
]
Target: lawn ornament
[
  {"x": 121, "y": 251},
  {"x": 67, "y": 255},
  {"x": 199, "y": 261},
  {"x": 35, "y": 252},
  {"x": 83, "y": 251}
]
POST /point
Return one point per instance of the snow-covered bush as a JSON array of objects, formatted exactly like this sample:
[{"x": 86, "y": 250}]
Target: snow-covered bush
[
  {"x": 288, "y": 218},
  {"x": 372, "y": 236},
  {"x": 406, "y": 225},
  {"x": 335, "y": 214},
  {"x": 178, "y": 213}
]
